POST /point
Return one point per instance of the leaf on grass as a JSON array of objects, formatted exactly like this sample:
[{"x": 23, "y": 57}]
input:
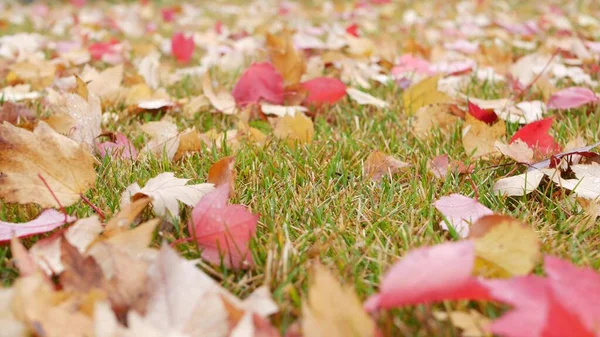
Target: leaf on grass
[
  {"x": 430, "y": 274},
  {"x": 431, "y": 117},
  {"x": 479, "y": 138},
  {"x": 165, "y": 191},
  {"x": 67, "y": 167},
  {"x": 422, "y": 94},
  {"x": 288, "y": 61},
  {"x": 460, "y": 212},
  {"x": 536, "y": 136},
  {"x": 260, "y": 82},
  {"x": 105, "y": 84},
  {"x": 332, "y": 309},
  {"x": 165, "y": 138},
  {"x": 517, "y": 150},
  {"x": 521, "y": 184},
  {"x": 222, "y": 100},
  {"x": 571, "y": 98},
  {"x": 487, "y": 116},
  {"x": 379, "y": 164},
  {"x": 438, "y": 166},
  {"x": 223, "y": 231},
  {"x": 297, "y": 128},
  {"x": 121, "y": 148},
  {"x": 190, "y": 141},
  {"x": 472, "y": 323},
  {"x": 223, "y": 173},
  {"x": 324, "y": 90},
  {"x": 15, "y": 113},
  {"x": 585, "y": 184},
  {"x": 504, "y": 247},
  {"x": 45, "y": 222},
  {"x": 182, "y": 47},
  {"x": 363, "y": 98}
]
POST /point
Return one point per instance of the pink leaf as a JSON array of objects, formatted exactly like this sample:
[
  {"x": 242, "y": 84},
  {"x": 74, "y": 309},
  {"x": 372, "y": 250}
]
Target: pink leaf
[
  {"x": 121, "y": 148},
  {"x": 486, "y": 116},
  {"x": 460, "y": 211},
  {"x": 324, "y": 90},
  {"x": 409, "y": 64},
  {"x": 430, "y": 274},
  {"x": 99, "y": 50},
  {"x": 182, "y": 47},
  {"x": 352, "y": 30},
  {"x": 78, "y": 3},
  {"x": 536, "y": 136},
  {"x": 222, "y": 230},
  {"x": 45, "y": 222},
  {"x": 168, "y": 13},
  {"x": 573, "y": 97},
  {"x": 259, "y": 82}
]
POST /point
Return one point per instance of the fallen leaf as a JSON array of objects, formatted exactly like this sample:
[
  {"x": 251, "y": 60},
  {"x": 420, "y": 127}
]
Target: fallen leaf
[
  {"x": 571, "y": 98},
  {"x": 423, "y": 94},
  {"x": 121, "y": 148},
  {"x": 15, "y": 113},
  {"x": 438, "y": 166},
  {"x": 521, "y": 184},
  {"x": 165, "y": 191},
  {"x": 460, "y": 212},
  {"x": 430, "y": 117},
  {"x": 259, "y": 82},
  {"x": 324, "y": 90},
  {"x": 585, "y": 184},
  {"x": 106, "y": 83},
  {"x": 165, "y": 138},
  {"x": 363, "y": 98},
  {"x": 298, "y": 128},
  {"x": 379, "y": 164},
  {"x": 288, "y": 61},
  {"x": 190, "y": 142},
  {"x": 332, "y": 309},
  {"x": 223, "y": 173},
  {"x": 223, "y": 231},
  {"x": 487, "y": 116},
  {"x": 517, "y": 150},
  {"x": 87, "y": 115},
  {"x": 472, "y": 323},
  {"x": 48, "y": 220},
  {"x": 222, "y": 101},
  {"x": 504, "y": 247},
  {"x": 67, "y": 167},
  {"x": 430, "y": 274},
  {"x": 479, "y": 139},
  {"x": 80, "y": 274},
  {"x": 536, "y": 136},
  {"x": 182, "y": 47}
]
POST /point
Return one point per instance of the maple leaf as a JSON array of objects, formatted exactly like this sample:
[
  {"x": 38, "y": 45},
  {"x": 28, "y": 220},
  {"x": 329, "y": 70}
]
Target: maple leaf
[
  {"x": 460, "y": 212},
  {"x": 289, "y": 62},
  {"x": 47, "y": 220},
  {"x": 422, "y": 94},
  {"x": 521, "y": 184},
  {"x": 65, "y": 166},
  {"x": 105, "y": 84},
  {"x": 363, "y": 98},
  {"x": 430, "y": 117},
  {"x": 222, "y": 101},
  {"x": 430, "y": 274},
  {"x": 223, "y": 173},
  {"x": 87, "y": 115},
  {"x": 15, "y": 113},
  {"x": 379, "y": 164},
  {"x": 298, "y": 128},
  {"x": 487, "y": 116},
  {"x": 259, "y": 82},
  {"x": 223, "y": 230},
  {"x": 121, "y": 148},
  {"x": 323, "y": 90},
  {"x": 571, "y": 98},
  {"x": 165, "y": 138},
  {"x": 182, "y": 47},
  {"x": 536, "y": 136},
  {"x": 332, "y": 309},
  {"x": 165, "y": 191},
  {"x": 479, "y": 138}
]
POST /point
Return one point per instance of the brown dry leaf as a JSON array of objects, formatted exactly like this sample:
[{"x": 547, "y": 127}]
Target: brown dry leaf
[
  {"x": 438, "y": 166},
  {"x": 15, "y": 113},
  {"x": 472, "y": 323},
  {"x": 81, "y": 88},
  {"x": 422, "y": 94},
  {"x": 431, "y": 117},
  {"x": 38, "y": 73},
  {"x": 189, "y": 142},
  {"x": 290, "y": 62},
  {"x": 66, "y": 167},
  {"x": 333, "y": 310},
  {"x": 504, "y": 246},
  {"x": 61, "y": 123},
  {"x": 105, "y": 84},
  {"x": 479, "y": 138},
  {"x": 379, "y": 164},
  {"x": 138, "y": 93},
  {"x": 297, "y": 128},
  {"x": 121, "y": 221},
  {"x": 223, "y": 172},
  {"x": 80, "y": 274}
]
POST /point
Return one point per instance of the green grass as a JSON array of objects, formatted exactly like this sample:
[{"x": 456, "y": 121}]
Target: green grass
[{"x": 315, "y": 204}]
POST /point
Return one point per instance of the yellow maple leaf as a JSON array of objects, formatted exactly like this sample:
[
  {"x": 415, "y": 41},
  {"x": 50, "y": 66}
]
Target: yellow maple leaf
[
  {"x": 298, "y": 128},
  {"x": 422, "y": 94},
  {"x": 290, "y": 62},
  {"x": 479, "y": 138}
]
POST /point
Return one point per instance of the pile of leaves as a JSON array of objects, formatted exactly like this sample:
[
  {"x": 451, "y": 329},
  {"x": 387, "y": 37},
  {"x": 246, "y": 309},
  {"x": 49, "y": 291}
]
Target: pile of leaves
[{"x": 102, "y": 83}]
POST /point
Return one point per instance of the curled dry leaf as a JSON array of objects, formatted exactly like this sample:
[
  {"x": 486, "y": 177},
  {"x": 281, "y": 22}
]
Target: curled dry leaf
[
  {"x": 297, "y": 128},
  {"x": 190, "y": 141},
  {"x": 363, "y": 98},
  {"x": 47, "y": 220},
  {"x": 165, "y": 191},
  {"x": 67, "y": 167},
  {"x": 332, "y": 309},
  {"x": 223, "y": 173},
  {"x": 379, "y": 164}
]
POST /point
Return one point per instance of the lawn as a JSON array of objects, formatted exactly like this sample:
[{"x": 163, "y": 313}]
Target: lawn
[{"x": 314, "y": 200}]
